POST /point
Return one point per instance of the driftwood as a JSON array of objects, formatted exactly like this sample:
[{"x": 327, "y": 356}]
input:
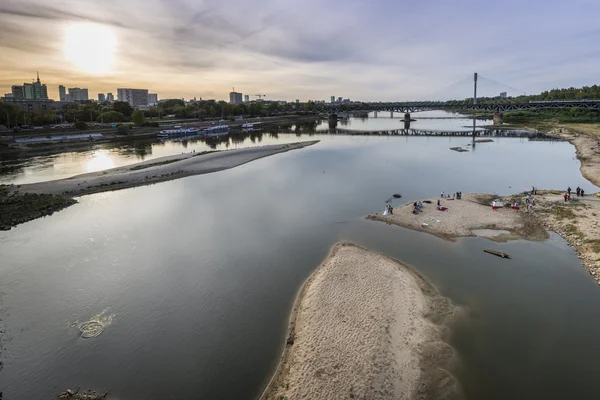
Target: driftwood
[{"x": 497, "y": 253}]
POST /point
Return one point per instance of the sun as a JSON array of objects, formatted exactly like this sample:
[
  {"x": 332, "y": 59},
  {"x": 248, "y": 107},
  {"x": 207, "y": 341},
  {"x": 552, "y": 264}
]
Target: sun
[{"x": 90, "y": 47}]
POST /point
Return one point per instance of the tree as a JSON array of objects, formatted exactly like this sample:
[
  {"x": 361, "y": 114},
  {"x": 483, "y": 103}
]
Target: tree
[
  {"x": 81, "y": 125},
  {"x": 111, "y": 117},
  {"x": 123, "y": 107},
  {"x": 138, "y": 117}
]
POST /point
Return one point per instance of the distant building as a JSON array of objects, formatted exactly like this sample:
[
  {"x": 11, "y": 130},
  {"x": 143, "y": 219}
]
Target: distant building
[
  {"x": 135, "y": 97},
  {"x": 333, "y": 99},
  {"x": 101, "y": 98},
  {"x": 339, "y": 100},
  {"x": 17, "y": 92},
  {"x": 153, "y": 99},
  {"x": 62, "y": 93},
  {"x": 503, "y": 95},
  {"x": 110, "y": 97},
  {"x": 77, "y": 94},
  {"x": 235, "y": 98},
  {"x": 30, "y": 91},
  {"x": 246, "y": 98},
  {"x": 297, "y": 101}
]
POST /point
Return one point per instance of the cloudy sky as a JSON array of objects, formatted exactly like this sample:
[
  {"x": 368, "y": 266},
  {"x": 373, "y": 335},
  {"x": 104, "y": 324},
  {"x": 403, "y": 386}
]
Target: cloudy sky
[{"x": 307, "y": 49}]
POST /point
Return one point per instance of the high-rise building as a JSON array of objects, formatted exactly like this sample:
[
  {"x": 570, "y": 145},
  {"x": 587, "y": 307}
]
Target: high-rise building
[
  {"x": 17, "y": 92},
  {"x": 246, "y": 98},
  {"x": 503, "y": 95},
  {"x": 333, "y": 99},
  {"x": 235, "y": 98},
  {"x": 101, "y": 98},
  {"x": 135, "y": 97},
  {"x": 78, "y": 94},
  {"x": 110, "y": 97},
  {"x": 153, "y": 99},
  {"x": 62, "y": 93},
  {"x": 340, "y": 100}
]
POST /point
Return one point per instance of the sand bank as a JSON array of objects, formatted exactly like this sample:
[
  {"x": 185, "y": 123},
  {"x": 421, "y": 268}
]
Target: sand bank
[
  {"x": 158, "y": 170},
  {"x": 463, "y": 216},
  {"x": 586, "y": 139},
  {"x": 24, "y": 203},
  {"x": 578, "y": 222},
  {"x": 365, "y": 326}
]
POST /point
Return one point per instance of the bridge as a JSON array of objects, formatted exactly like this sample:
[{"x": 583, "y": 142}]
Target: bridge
[
  {"x": 408, "y": 107},
  {"x": 498, "y": 103}
]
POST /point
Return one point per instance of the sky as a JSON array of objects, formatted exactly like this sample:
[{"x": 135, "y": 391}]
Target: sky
[{"x": 375, "y": 50}]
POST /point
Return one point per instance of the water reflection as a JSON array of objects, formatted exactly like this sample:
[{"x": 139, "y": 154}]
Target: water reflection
[{"x": 43, "y": 167}]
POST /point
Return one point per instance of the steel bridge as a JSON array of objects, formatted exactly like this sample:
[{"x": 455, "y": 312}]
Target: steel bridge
[
  {"x": 497, "y": 105},
  {"x": 408, "y": 107}
]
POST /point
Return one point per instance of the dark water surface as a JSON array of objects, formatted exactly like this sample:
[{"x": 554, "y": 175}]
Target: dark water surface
[{"x": 199, "y": 273}]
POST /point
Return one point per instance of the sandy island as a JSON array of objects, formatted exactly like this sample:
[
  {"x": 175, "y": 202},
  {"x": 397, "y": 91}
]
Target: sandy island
[
  {"x": 576, "y": 221},
  {"x": 366, "y": 326},
  {"x": 463, "y": 216},
  {"x": 22, "y": 203},
  {"x": 158, "y": 170}
]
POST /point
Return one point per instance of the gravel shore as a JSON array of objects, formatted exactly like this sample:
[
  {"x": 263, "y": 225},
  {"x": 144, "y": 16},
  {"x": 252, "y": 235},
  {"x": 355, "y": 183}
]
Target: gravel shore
[{"x": 366, "y": 326}]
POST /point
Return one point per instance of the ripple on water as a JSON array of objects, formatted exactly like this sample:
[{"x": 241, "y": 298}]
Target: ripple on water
[{"x": 96, "y": 325}]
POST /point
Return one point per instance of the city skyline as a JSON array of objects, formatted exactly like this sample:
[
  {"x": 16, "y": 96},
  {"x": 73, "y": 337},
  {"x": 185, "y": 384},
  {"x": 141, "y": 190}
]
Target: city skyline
[{"x": 369, "y": 51}]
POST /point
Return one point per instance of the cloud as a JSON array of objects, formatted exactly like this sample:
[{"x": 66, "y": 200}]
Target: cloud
[{"x": 369, "y": 50}]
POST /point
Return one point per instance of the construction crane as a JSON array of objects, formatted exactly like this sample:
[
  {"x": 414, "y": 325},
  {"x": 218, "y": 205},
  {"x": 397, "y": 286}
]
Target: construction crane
[{"x": 260, "y": 96}]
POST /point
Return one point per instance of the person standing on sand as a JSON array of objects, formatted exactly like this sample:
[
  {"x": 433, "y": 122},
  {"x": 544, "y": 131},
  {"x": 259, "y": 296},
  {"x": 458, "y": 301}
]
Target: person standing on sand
[
  {"x": 578, "y": 190},
  {"x": 582, "y": 192},
  {"x": 442, "y": 195},
  {"x": 569, "y": 190},
  {"x": 439, "y": 203},
  {"x": 565, "y": 196}
]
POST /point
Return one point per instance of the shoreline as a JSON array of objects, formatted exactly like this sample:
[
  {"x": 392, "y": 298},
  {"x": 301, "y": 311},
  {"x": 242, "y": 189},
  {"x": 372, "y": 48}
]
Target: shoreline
[
  {"x": 577, "y": 222},
  {"x": 22, "y": 203},
  {"x": 339, "y": 343}
]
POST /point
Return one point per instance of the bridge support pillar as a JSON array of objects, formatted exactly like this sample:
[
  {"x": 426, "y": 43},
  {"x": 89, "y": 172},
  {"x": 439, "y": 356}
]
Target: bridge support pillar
[
  {"x": 498, "y": 118},
  {"x": 374, "y": 114},
  {"x": 391, "y": 114}
]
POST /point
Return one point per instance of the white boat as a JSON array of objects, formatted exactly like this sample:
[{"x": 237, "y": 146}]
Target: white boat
[
  {"x": 178, "y": 132},
  {"x": 251, "y": 126},
  {"x": 218, "y": 130}
]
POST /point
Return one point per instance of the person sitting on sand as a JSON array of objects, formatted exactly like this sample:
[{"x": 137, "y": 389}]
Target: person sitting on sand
[
  {"x": 420, "y": 205},
  {"x": 439, "y": 203}
]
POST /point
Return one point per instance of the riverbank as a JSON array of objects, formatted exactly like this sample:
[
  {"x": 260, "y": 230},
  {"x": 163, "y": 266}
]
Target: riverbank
[
  {"x": 72, "y": 141},
  {"x": 21, "y": 203},
  {"x": 366, "y": 326},
  {"x": 577, "y": 221},
  {"x": 586, "y": 139}
]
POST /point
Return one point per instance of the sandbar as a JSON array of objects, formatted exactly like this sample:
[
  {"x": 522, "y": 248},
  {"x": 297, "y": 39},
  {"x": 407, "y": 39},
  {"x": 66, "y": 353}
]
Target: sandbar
[
  {"x": 366, "y": 326},
  {"x": 158, "y": 170}
]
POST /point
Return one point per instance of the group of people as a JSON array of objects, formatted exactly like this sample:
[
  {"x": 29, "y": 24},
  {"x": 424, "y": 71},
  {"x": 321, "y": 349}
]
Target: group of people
[
  {"x": 457, "y": 195},
  {"x": 389, "y": 209},
  {"x": 580, "y": 193},
  {"x": 418, "y": 207}
]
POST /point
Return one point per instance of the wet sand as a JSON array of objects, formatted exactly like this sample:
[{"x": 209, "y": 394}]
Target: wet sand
[
  {"x": 157, "y": 170},
  {"x": 366, "y": 326}
]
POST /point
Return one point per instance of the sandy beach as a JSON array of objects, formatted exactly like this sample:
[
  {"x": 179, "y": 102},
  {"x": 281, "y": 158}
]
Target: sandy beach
[
  {"x": 463, "y": 216},
  {"x": 578, "y": 221},
  {"x": 366, "y": 326},
  {"x": 158, "y": 170}
]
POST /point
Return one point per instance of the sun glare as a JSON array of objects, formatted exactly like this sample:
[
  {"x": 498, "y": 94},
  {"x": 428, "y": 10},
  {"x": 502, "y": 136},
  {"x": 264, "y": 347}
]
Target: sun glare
[{"x": 90, "y": 47}]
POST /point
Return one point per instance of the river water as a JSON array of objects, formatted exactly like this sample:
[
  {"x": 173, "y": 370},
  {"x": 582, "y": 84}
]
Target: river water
[{"x": 199, "y": 274}]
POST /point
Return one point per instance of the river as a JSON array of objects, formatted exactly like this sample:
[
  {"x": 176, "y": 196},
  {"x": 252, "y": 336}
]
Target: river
[{"x": 199, "y": 273}]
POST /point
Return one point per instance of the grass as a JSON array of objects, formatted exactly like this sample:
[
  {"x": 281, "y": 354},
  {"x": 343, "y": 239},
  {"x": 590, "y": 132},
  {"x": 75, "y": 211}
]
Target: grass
[
  {"x": 563, "y": 212},
  {"x": 573, "y": 230},
  {"x": 594, "y": 244},
  {"x": 16, "y": 208}
]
